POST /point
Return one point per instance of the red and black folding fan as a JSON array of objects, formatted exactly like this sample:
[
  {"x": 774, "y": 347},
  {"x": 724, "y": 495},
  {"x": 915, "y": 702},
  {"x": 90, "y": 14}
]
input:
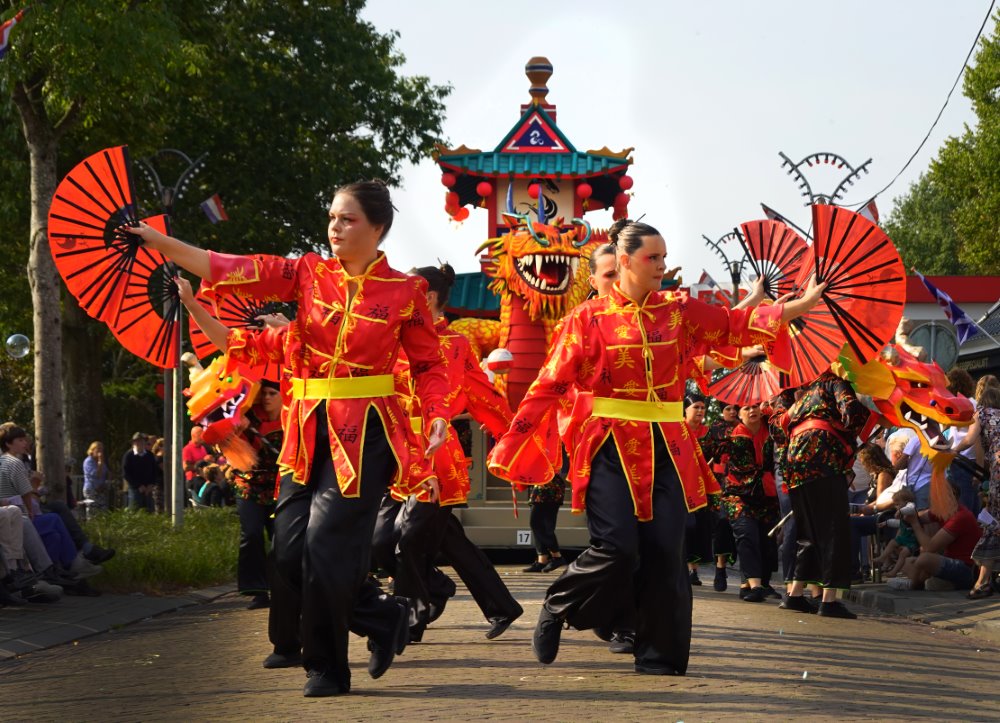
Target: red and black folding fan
[
  {"x": 236, "y": 312},
  {"x": 864, "y": 297},
  {"x": 752, "y": 382},
  {"x": 775, "y": 252},
  {"x": 113, "y": 276}
]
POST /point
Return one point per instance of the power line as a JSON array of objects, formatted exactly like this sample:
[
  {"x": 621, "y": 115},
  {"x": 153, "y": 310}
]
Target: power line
[{"x": 954, "y": 85}]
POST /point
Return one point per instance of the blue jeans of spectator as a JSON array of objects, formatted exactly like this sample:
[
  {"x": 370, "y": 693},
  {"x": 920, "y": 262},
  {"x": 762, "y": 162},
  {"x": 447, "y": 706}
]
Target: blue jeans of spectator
[
  {"x": 923, "y": 496},
  {"x": 860, "y": 527},
  {"x": 956, "y": 572},
  {"x": 967, "y": 487},
  {"x": 139, "y": 500}
]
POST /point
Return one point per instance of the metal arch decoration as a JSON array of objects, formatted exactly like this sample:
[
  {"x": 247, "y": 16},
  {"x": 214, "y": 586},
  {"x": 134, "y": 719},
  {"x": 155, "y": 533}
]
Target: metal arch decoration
[
  {"x": 823, "y": 158},
  {"x": 168, "y": 195}
]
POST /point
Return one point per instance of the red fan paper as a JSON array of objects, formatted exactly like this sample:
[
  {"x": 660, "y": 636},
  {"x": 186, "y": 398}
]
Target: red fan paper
[
  {"x": 113, "y": 276},
  {"x": 753, "y": 382},
  {"x": 775, "y": 252},
  {"x": 236, "y": 312},
  {"x": 864, "y": 297}
]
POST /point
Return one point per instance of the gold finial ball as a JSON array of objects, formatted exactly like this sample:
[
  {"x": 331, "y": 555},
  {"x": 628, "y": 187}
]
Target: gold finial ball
[{"x": 538, "y": 70}]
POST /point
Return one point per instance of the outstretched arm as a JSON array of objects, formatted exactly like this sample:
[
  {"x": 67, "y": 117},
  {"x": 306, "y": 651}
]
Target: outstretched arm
[
  {"x": 214, "y": 329},
  {"x": 797, "y": 307},
  {"x": 185, "y": 255}
]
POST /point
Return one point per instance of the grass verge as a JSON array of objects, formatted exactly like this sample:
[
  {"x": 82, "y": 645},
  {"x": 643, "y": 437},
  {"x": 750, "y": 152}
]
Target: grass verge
[{"x": 154, "y": 558}]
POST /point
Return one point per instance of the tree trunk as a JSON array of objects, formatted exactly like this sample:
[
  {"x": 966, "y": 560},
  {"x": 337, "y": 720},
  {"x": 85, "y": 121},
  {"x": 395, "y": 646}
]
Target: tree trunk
[
  {"x": 83, "y": 340},
  {"x": 45, "y": 298}
]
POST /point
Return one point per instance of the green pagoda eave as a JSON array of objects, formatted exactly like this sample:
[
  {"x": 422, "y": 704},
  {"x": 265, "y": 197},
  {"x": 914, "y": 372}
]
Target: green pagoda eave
[{"x": 531, "y": 165}]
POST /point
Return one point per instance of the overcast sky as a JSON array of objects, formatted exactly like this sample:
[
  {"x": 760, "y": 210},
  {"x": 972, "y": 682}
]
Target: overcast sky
[{"x": 708, "y": 93}]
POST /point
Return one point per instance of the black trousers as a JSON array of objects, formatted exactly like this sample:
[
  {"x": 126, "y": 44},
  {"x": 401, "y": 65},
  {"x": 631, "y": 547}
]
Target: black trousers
[
  {"x": 624, "y": 555},
  {"x": 758, "y": 552},
  {"x": 251, "y": 564},
  {"x": 475, "y": 569},
  {"x": 415, "y": 554},
  {"x": 386, "y": 534},
  {"x": 700, "y": 526},
  {"x": 543, "y": 526},
  {"x": 822, "y": 532},
  {"x": 321, "y": 590}
]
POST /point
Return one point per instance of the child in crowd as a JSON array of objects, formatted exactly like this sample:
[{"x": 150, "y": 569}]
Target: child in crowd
[{"x": 905, "y": 543}]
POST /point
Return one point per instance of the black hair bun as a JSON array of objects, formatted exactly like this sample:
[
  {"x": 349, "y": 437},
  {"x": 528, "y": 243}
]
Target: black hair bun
[{"x": 448, "y": 272}]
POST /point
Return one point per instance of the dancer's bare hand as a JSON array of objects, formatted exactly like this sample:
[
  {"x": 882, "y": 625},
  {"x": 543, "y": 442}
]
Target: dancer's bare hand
[{"x": 435, "y": 437}]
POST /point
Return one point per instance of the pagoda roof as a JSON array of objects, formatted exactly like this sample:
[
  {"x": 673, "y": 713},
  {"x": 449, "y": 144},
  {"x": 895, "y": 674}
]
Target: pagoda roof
[{"x": 534, "y": 146}]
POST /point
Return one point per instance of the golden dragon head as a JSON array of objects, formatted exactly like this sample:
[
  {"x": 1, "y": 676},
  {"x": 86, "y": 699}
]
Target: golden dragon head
[{"x": 542, "y": 264}]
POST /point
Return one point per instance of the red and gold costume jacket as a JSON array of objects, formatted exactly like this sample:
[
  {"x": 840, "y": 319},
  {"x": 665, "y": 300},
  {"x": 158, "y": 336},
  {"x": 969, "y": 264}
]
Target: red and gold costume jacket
[
  {"x": 634, "y": 358},
  {"x": 341, "y": 352},
  {"x": 469, "y": 390}
]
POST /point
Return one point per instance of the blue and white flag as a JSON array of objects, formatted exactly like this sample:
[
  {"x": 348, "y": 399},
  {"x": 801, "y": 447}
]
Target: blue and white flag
[{"x": 965, "y": 327}]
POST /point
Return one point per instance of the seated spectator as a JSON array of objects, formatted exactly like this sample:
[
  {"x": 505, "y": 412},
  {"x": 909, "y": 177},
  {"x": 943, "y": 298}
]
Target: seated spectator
[
  {"x": 91, "y": 552},
  {"x": 945, "y": 561},
  {"x": 904, "y": 545}
]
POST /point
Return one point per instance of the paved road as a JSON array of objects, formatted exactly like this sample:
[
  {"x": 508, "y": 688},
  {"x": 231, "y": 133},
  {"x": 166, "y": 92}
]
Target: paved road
[{"x": 749, "y": 661}]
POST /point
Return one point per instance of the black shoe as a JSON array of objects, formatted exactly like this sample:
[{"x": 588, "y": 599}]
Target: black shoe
[
  {"x": 554, "y": 563},
  {"x": 756, "y": 594},
  {"x": 545, "y": 641},
  {"x": 98, "y": 555},
  {"x": 797, "y": 603},
  {"x": 605, "y": 634},
  {"x": 498, "y": 626},
  {"x": 835, "y": 609},
  {"x": 695, "y": 580},
  {"x": 36, "y": 594},
  {"x": 262, "y": 600},
  {"x": 654, "y": 669},
  {"x": 20, "y": 580},
  {"x": 771, "y": 592},
  {"x": 720, "y": 583},
  {"x": 11, "y": 599},
  {"x": 283, "y": 660},
  {"x": 383, "y": 652},
  {"x": 320, "y": 685},
  {"x": 622, "y": 642},
  {"x": 81, "y": 588},
  {"x": 536, "y": 566},
  {"x": 744, "y": 591}
]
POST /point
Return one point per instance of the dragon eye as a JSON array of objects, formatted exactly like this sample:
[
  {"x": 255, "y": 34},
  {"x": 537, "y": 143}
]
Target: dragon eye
[{"x": 919, "y": 385}]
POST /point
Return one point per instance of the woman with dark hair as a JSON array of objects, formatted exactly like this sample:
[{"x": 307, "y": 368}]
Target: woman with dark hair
[
  {"x": 428, "y": 527},
  {"x": 345, "y": 436},
  {"x": 636, "y": 468}
]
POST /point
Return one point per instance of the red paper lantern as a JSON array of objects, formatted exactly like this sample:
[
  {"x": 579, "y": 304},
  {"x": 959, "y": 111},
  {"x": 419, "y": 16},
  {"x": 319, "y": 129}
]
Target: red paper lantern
[
  {"x": 461, "y": 214},
  {"x": 625, "y": 183},
  {"x": 534, "y": 190},
  {"x": 451, "y": 199},
  {"x": 484, "y": 188},
  {"x": 584, "y": 190},
  {"x": 621, "y": 200},
  {"x": 448, "y": 179}
]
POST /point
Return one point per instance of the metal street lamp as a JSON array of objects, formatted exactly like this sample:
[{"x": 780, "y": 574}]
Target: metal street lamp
[
  {"x": 173, "y": 381},
  {"x": 733, "y": 266}
]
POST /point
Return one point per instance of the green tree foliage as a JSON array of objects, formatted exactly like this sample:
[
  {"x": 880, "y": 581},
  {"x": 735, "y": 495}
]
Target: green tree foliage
[
  {"x": 288, "y": 99},
  {"x": 948, "y": 222}
]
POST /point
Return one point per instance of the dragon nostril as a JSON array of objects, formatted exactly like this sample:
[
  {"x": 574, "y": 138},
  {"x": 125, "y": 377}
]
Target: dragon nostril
[{"x": 949, "y": 410}]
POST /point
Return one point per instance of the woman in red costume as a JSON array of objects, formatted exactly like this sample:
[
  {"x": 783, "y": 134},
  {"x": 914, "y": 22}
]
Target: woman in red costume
[
  {"x": 630, "y": 349},
  {"x": 428, "y": 527},
  {"x": 346, "y": 436}
]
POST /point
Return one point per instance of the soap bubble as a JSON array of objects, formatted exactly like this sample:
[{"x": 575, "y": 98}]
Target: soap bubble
[{"x": 18, "y": 346}]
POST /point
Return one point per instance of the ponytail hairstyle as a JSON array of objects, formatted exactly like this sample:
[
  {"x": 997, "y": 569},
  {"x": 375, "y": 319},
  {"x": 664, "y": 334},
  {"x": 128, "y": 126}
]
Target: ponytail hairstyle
[
  {"x": 440, "y": 279},
  {"x": 627, "y": 235},
  {"x": 373, "y": 197},
  {"x": 602, "y": 250}
]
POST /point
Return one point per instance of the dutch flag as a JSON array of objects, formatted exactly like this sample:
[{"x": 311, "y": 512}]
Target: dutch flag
[
  {"x": 214, "y": 210},
  {"x": 5, "y": 32}
]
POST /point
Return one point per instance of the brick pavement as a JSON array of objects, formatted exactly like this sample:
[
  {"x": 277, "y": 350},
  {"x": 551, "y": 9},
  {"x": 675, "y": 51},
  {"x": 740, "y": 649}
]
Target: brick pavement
[{"x": 748, "y": 661}]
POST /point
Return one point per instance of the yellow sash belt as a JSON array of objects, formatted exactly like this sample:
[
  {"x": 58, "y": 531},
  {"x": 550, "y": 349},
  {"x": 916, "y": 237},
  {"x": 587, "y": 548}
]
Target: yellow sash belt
[
  {"x": 638, "y": 411},
  {"x": 343, "y": 387}
]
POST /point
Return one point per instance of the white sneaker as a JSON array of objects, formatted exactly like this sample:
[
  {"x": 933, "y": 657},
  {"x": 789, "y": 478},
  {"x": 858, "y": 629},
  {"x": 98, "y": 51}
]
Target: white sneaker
[
  {"x": 900, "y": 583},
  {"x": 83, "y": 568},
  {"x": 48, "y": 587},
  {"x": 936, "y": 584}
]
